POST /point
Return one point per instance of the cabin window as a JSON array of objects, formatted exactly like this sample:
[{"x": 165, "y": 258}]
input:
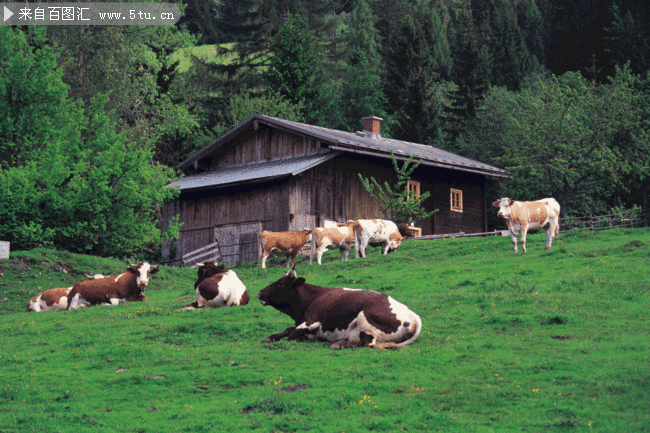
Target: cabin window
[
  {"x": 414, "y": 189},
  {"x": 456, "y": 200}
]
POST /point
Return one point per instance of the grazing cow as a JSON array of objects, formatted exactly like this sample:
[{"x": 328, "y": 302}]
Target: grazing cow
[
  {"x": 52, "y": 299},
  {"x": 346, "y": 317},
  {"x": 112, "y": 290},
  {"x": 376, "y": 232},
  {"x": 289, "y": 242},
  {"x": 522, "y": 216},
  {"x": 339, "y": 237},
  {"x": 216, "y": 287}
]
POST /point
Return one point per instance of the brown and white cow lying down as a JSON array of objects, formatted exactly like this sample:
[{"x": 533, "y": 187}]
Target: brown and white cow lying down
[
  {"x": 114, "y": 289},
  {"x": 346, "y": 317},
  {"x": 522, "y": 216},
  {"x": 341, "y": 237},
  {"x": 216, "y": 287},
  {"x": 54, "y": 299},
  {"x": 289, "y": 242},
  {"x": 376, "y": 232}
]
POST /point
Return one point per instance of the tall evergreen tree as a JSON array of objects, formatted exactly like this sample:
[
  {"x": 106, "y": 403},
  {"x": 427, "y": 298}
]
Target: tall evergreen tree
[
  {"x": 417, "y": 97},
  {"x": 509, "y": 52},
  {"x": 362, "y": 88},
  {"x": 472, "y": 69},
  {"x": 293, "y": 66}
]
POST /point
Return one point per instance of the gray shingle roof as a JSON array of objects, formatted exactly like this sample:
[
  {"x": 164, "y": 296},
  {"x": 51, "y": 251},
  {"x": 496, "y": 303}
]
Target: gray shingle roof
[
  {"x": 252, "y": 172},
  {"x": 358, "y": 142}
]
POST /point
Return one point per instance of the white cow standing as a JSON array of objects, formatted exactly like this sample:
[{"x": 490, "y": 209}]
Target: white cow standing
[
  {"x": 376, "y": 232},
  {"x": 338, "y": 237},
  {"x": 522, "y": 216}
]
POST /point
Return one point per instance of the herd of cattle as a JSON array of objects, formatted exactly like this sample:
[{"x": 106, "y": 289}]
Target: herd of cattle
[{"x": 344, "y": 316}]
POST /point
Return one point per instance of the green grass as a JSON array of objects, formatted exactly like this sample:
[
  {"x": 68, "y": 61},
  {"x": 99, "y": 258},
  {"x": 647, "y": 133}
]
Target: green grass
[{"x": 544, "y": 341}]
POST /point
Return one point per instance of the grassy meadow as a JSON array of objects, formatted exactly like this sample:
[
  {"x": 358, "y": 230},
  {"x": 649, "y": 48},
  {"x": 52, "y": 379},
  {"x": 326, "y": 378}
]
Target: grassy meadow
[{"x": 546, "y": 341}]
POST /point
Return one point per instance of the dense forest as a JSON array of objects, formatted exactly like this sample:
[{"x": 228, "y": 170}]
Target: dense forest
[{"x": 94, "y": 118}]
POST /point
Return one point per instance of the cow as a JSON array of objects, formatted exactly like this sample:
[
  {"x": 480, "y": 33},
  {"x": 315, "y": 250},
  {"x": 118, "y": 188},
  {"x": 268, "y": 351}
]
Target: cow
[
  {"x": 376, "y": 232},
  {"x": 289, "y": 242},
  {"x": 405, "y": 230},
  {"x": 217, "y": 287},
  {"x": 54, "y": 299},
  {"x": 114, "y": 289},
  {"x": 339, "y": 237},
  {"x": 522, "y": 216},
  {"x": 346, "y": 317}
]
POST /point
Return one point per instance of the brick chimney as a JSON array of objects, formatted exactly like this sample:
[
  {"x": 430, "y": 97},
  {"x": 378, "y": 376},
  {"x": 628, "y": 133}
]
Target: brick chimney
[{"x": 372, "y": 125}]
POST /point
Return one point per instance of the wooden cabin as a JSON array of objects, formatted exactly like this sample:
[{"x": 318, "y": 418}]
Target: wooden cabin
[{"x": 274, "y": 174}]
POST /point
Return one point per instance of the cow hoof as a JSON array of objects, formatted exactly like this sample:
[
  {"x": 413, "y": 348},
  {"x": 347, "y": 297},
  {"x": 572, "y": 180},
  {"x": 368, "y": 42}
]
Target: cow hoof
[{"x": 267, "y": 340}]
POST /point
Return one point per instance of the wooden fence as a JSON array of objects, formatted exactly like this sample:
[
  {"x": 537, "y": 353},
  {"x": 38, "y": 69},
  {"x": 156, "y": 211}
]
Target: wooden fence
[
  {"x": 227, "y": 243},
  {"x": 631, "y": 219}
]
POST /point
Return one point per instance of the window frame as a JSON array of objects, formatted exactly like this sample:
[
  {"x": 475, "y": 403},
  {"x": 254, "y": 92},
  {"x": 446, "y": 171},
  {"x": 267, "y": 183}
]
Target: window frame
[
  {"x": 459, "y": 199},
  {"x": 413, "y": 187}
]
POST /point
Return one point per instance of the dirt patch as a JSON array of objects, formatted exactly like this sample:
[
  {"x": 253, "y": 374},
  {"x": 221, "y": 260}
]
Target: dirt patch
[{"x": 295, "y": 388}]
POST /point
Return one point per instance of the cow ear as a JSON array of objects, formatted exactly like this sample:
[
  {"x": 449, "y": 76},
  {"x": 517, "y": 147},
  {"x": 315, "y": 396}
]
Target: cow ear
[
  {"x": 299, "y": 282},
  {"x": 496, "y": 203},
  {"x": 153, "y": 270},
  {"x": 404, "y": 238},
  {"x": 511, "y": 202}
]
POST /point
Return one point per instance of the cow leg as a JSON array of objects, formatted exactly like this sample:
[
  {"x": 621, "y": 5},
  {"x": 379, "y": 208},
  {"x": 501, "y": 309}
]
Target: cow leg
[
  {"x": 319, "y": 254},
  {"x": 279, "y": 336},
  {"x": 364, "y": 341},
  {"x": 346, "y": 253},
  {"x": 513, "y": 236},
  {"x": 549, "y": 236},
  {"x": 524, "y": 232},
  {"x": 298, "y": 334},
  {"x": 384, "y": 248},
  {"x": 264, "y": 257}
]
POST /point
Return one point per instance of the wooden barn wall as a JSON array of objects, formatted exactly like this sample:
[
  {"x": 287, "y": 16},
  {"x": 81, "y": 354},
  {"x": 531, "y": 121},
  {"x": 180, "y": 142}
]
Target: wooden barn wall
[
  {"x": 472, "y": 219},
  {"x": 333, "y": 191},
  {"x": 266, "y": 202},
  {"x": 263, "y": 145}
]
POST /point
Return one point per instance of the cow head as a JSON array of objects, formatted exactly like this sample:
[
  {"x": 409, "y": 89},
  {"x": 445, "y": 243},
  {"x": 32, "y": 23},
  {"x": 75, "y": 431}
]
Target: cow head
[
  {"x": 504, "y": 206},
  {"x": 143, "y": 271},
  {"x": 395, "y": 241},
  {"x": 283, "y": 293},
  {"x": 207, "y": 270}
]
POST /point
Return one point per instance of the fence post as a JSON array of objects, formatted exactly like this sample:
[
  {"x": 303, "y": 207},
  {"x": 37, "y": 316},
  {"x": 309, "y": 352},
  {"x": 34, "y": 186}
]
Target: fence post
[
  {"x": 631, "y": 220},
  {"x": 591, "y": 219}
]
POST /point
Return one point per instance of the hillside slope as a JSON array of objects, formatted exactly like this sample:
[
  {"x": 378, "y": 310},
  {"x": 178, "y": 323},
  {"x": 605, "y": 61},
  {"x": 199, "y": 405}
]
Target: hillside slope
[{"x": 546, "y": 340}]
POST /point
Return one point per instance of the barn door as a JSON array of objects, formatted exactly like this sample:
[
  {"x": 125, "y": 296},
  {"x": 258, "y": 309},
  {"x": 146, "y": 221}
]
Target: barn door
[{"x": 238, "y": 243}]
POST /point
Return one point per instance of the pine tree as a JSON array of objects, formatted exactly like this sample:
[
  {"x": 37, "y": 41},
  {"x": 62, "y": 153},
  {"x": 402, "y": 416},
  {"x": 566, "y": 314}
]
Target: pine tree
[
  {"x": 292, "y": 68},
  {"x": 362, "y": 89}
]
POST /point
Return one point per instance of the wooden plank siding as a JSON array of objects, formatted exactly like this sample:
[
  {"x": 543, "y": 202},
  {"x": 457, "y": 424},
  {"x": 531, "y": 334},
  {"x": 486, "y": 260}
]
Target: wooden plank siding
[{"x": 263, "y": 145}]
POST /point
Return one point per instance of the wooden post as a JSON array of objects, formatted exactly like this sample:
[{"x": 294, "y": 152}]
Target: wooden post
[
  {"x": 591, "y": 219},
  {"x": 631, "y": 220}
]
